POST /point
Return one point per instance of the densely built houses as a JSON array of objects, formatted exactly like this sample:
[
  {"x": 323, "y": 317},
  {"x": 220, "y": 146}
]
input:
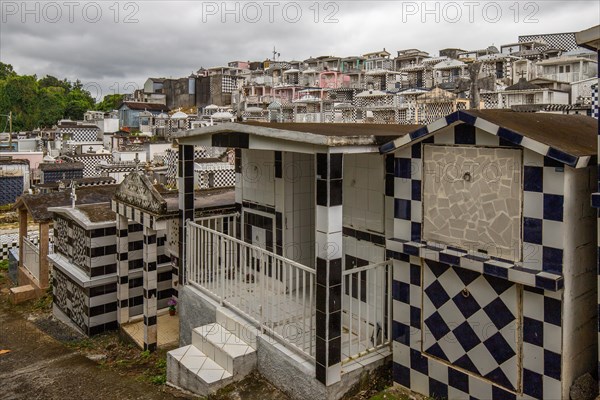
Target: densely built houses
[{"x": 321, "y": 219}]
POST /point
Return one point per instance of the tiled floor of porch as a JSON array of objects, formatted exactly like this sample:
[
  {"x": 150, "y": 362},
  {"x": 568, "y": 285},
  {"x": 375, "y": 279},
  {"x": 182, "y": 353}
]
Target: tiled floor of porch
[
  {"x": 168, "y": 331},
  {"x": 287, "y": 316}
]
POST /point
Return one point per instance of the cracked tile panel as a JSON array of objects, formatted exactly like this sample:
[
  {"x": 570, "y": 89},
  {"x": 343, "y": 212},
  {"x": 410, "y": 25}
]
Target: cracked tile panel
[{"x": 472, "y": 198}]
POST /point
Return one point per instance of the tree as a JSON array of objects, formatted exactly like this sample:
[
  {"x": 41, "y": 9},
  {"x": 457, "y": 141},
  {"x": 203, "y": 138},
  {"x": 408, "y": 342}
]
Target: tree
[
  {"x": 109, "y": 102},
  {"x": 78, "y": 102},
  {"x": 6, "y": 70}
]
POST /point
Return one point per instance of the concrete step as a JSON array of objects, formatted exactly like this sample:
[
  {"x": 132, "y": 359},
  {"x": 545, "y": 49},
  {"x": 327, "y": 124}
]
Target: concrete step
[
  {"x": 190, "y": 369},
  {"x": 21, "y": 294},
  {"x": 238, "y": 325},
  {"x": 229, "y": 351}
]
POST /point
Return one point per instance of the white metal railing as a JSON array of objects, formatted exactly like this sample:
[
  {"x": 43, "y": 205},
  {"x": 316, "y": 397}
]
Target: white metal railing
[
  {"x": 31, "y": 258},
  {"x": 276, "y": 293},
  {"x": 366, "y": 309}
]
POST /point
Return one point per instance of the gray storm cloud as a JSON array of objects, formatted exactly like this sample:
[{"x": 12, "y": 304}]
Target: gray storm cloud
[{"x": 111, "y": 44}]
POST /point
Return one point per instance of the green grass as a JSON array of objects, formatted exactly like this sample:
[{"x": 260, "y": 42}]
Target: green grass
[{"x": 4, "y": 265}]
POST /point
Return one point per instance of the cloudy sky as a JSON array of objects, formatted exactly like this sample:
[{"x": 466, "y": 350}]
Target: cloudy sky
[{"x": 114, "y": 46}]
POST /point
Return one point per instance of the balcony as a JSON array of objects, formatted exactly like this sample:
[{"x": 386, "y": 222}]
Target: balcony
[{"x": 279, "y": 295}]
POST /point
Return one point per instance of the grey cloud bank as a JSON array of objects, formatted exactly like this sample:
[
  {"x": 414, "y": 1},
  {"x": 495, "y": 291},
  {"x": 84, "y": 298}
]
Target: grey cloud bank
[{"x": 113, "y": 44}]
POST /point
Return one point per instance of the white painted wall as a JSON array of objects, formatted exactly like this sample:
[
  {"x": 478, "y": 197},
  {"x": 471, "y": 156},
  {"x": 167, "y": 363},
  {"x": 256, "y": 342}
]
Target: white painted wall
[
  {"x": 580, "y": 318},
  {"x": 258, "y": 182},
  {"x": 298, "y": 173}
]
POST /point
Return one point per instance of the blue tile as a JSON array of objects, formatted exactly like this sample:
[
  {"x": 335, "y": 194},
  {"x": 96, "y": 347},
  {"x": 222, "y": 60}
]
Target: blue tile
[
  {"x": 553, "y": 207},
  {"x": 415, "y": 231},
  {"x": 466, "y": 117},
  {"x": 458, "y": 380},
  {"x": 512, "y": 137},
  {"x": 402, "y": 209},
  {"x": 466, "y": 305},
  {"x": 437, "y": 294},
  {"x": 562, "y": 157},
  {"x": 499, "y": 377},
  {"x": 401, "y": 333},
  {"x": 596, "y": 200},
  {"x": 401, "y": 375},
  {"x": 416, "y": 150},
  {"x": 415, "y": 274},
  {"x": 411, "y": 250},
  {"x": 466, "y": 363},
  {"x": 415, "y": 190},
  {"x": 466, "y": 276},
  {"x": 532, "y": 230},
  {"x": 437, "y": 268},
  {"x": 533, "y": 331},
  {"x": 404, "y": 292},
  {"x": 552, "y": 311},
  {"x": 499, "y": 348},
  {"x": 546, "y": 283},
  {"x": 552, "y": 260},
  {"x": 437, "y": 389},
  {"x": 437, "y": 326},
  {"x": 403, "y": 168},
  {"x": 452, "y": 118},
  {"x": 415, "y": 317},
  {"x": 550, "y": 162},
  {"x": 466, "y": 336},
  {"x": 533, "y": 384},
  {"x": 387, "y": 147},
  {"x": 449, "y": 259},
  {"x": 495, "y": 270},
  {"x": 437, "y": 351},
  {"x": 499, "y": 313},
  {"x": 419, "y": 133},
  {"x": 533, "y": 179},
  {"x": 552, "y": 364},
  {"x": 389, "y": 164},
  {"x": 418, "y": 362}
]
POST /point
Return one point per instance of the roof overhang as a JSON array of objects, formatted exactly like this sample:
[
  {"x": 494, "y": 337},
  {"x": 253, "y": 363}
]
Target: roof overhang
[
  {"x": 570, "y": 158},
  {"x": 589, "y": 38},
  {"x": 263, "y": 137}
]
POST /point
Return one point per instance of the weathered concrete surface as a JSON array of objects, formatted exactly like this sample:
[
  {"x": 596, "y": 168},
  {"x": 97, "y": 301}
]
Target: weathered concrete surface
[
  {"x": 194, "y": 311},
  {"x": 287, "y": 375},
  {"x": 39, "y": 367}
]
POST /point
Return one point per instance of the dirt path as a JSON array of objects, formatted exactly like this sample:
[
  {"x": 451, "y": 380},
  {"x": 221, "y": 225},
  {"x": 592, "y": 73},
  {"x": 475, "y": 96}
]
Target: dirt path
[{"x": 40, "y": 367}]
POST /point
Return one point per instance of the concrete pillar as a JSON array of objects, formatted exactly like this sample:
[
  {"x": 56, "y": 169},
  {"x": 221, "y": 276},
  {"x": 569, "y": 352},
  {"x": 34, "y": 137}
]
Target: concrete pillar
[
  {"x": 150, "y": 289},
  {"x": 186, "y": 200},
  {"x": 22, "y": 234},
  {"x": 43, "y": 245},
  {"x": 328, "y": 240},
  {"x": 122, "y": 225}
]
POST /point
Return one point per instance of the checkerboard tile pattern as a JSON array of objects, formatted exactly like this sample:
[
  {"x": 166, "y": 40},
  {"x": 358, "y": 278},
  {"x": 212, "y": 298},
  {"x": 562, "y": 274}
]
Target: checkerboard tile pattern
[
  {"x": 223, "y": 175},
  {"x": 543, "y": 195},
  {"x": 12, "y": 187},
  {"x": 91, "y": 162},
  {"x": 595, "y": 101},
  {"x": 10, "y": 241},
  {"x": 470, "y": 321},
  {"x": 414, "y": 365},
  {"x": 563, "y": 41}
]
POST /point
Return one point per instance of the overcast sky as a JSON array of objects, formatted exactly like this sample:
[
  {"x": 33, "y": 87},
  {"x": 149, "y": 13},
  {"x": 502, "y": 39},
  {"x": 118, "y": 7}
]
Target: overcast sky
[{"x": 112, "y": 46}]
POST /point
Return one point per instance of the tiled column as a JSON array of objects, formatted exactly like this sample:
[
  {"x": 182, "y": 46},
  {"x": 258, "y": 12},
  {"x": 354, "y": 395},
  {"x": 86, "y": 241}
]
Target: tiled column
[
  {"x": 22, "y": 235},
  {"x": 329, "y": 267},
  {"x": 43, "y": 245},
  {"x": 150, "y": 289},
  {"x": 122, "y": 269},
  {"x": 186, "y": 200}
]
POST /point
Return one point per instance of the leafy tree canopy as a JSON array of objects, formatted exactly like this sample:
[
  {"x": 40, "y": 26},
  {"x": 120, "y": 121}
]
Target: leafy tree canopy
[{"x": 39, "y": 103}]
